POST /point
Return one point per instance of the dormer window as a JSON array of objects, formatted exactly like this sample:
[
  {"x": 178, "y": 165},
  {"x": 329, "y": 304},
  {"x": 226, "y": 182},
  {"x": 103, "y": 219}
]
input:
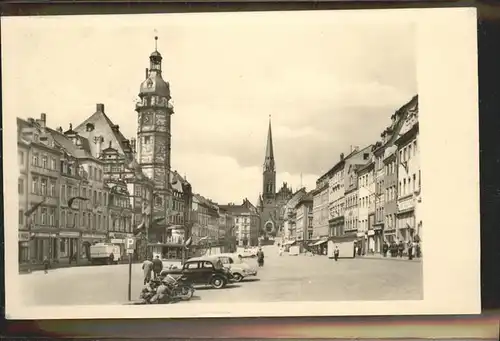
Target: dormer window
[{"x": 89, "y": 126}]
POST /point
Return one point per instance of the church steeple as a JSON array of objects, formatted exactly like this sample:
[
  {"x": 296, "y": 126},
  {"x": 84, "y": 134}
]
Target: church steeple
[
  {"x": 269, "y": 159},
  {"x": 269, "y": 173}
]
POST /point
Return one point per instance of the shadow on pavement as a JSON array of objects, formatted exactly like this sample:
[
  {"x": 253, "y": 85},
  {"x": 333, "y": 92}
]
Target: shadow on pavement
[
  {"x": 229, "y": 286},
  {"x": 247, "y": 280}
]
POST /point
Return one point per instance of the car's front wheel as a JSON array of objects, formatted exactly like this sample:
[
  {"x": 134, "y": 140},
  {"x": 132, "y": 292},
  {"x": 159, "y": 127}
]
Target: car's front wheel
[
  {"x": 237, "y": 277},
  {"x": 218, "y": 282}
]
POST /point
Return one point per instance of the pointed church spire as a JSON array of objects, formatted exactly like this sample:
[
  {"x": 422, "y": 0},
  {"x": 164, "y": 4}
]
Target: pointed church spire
[{"x": 269, "y": 160}]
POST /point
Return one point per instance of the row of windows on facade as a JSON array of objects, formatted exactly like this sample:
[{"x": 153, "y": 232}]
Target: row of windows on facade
[
  {"x": 352, "y": 200},
  {"x": 408, "y": 151},
  {"x": 364, "y": 180},
  {"x": 47, "y": 187},
  {"x": 50, "y": 163},
  {"x": 351, "y": 224},
  {"x": 46, "y": 217}
]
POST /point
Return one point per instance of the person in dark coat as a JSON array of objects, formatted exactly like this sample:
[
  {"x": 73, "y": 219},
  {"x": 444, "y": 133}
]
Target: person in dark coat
[
  {"x": 260, "y": 257},
  {"x": 157, "y": 266},
  {"x": 401, "y": 248},
  {"x": 385, "y": 248}
]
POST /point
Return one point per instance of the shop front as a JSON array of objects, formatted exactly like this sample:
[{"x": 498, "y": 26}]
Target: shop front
[
  {"x": 362, "y": 242},
  {"x": 24, "y": 247},
  {"x": 373, "y": 246},
  {"x": 320, "y": 246},
  {"x": 68, "y": 246},
  {"x": 87, "y": 240},
  {"x": 44, "y": 245}
]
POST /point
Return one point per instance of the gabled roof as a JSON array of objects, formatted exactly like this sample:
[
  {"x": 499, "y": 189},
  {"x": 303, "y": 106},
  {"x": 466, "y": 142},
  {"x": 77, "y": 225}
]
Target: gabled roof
[
  {"x": 106, "y": 128},
  {"x": 64, "y": 142},
  {"x": 177, "y": 181}
]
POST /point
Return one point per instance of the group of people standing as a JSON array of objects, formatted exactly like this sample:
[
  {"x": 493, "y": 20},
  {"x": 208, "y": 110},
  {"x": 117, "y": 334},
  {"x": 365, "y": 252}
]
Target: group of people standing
[
  {"x": 397, "y": 249},
  {"x": 152, "y": 268}
]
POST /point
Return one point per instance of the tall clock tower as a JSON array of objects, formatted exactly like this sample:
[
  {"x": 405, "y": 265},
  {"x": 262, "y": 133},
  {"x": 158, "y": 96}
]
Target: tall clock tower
[{"x": 153, "y": 132}]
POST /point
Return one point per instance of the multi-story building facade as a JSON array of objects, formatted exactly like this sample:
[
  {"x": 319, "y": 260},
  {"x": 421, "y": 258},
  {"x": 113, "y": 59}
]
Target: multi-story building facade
[
  {"x": 320, "y": 208},
  {"x": 38, "y": 182},
  {"x": 338, "y": 183},
  {"x": 23, "y": 159},
  {"x": 290, "y": 218},
  {"x": 304, "y": 218},
  {"x": 390, "y": 193},
  {"x": 409, "y": 183},
  {"x": 92, "y": 214},
  {"x": 120, "y": 213},
  {"x": 246, "y": 222},
  {"x": 383, "y": 152},
  {"x": 366, "y": 209},
  {"x": 336, "y": 203},
  {"x": 351, "y": 201}
]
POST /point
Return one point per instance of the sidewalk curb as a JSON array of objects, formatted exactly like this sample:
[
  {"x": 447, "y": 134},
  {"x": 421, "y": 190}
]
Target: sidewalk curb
[{"x": 415, "y": 260}]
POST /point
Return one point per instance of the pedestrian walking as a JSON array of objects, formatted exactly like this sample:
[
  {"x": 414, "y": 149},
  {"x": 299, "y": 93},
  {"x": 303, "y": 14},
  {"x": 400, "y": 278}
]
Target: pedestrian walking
[
  {"x": 336, "y": 253},
  {"x": 280, "y": 251},
  {"x": 385, "y": 248},
  {"x": 410, "y": 250},
  {"x": 260, "y": 257},
  {"x": 401, "y": 248},
  {"x": 157, "y": 266},
  {"x": 147, "y": 267},
  {"x": 46, "y": 264}
]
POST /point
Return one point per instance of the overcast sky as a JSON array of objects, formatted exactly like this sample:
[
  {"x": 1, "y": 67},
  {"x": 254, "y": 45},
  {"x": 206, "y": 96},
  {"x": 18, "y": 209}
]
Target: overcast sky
[{"x": 328, "y": 82}]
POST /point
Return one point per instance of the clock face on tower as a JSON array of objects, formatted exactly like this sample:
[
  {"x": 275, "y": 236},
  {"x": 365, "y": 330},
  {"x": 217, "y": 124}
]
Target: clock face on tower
[{"x": 147, "y": 119}]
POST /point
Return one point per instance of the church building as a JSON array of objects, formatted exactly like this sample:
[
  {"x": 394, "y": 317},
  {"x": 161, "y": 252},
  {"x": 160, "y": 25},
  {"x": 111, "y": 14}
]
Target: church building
[{"x": 271, "y": 202}]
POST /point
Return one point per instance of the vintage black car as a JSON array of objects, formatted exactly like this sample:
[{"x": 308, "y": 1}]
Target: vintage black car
[{"x": 202, "y": 272}]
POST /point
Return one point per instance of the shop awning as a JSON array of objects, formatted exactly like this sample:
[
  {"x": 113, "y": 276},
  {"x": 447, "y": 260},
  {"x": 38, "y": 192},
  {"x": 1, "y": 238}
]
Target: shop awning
[{"x": 319, "y": 242}]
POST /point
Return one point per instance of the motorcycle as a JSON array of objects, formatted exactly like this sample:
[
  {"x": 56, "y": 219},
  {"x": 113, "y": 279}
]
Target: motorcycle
[
  {"x": 180, "y": 288},
  {"x": 177, "y": 290}
]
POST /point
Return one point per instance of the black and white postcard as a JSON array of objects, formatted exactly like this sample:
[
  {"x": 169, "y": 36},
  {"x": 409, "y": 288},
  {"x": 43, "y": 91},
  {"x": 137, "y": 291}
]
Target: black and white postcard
[{"x": 241, "y": 164}]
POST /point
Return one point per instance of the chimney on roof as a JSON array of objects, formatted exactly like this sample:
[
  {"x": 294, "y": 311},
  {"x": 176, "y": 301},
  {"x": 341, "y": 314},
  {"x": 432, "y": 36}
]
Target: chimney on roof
[
  {"x": 100, "y": 107},
  {"x": 43, "y": 119},
  {"x": 341, "y": 156},
  {"x": 59, "y": 129}
]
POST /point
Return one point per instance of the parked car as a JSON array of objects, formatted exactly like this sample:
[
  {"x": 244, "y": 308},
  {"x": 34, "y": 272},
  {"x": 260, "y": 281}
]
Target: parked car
[
  {"x": 205, "y": 272},
  {"x": 239, "y": 269}
]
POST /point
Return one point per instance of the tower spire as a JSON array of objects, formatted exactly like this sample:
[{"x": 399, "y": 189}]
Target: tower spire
[
  {"x": 156, "y": 43},
  {"x": 269, "y": 159}
]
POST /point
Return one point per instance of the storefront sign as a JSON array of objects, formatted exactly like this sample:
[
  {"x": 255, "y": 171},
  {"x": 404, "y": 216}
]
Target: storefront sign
[
  {"x": 93, "y": 236},
  {"x": 23, "y": 236},
  {"x": 45, "y": 235},
  {"x": 116, "y": 241},
  {"x": 371, "y": 232},
  {"x": 69, "y": 234},
  {"x": 406, "y": 204}
]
